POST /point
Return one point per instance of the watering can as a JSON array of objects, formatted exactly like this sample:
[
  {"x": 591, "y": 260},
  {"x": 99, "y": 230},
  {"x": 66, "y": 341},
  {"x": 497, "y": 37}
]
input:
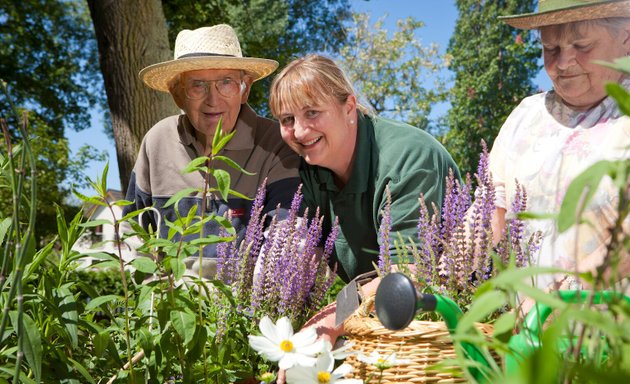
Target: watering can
[{"x": 397, "y": 303}]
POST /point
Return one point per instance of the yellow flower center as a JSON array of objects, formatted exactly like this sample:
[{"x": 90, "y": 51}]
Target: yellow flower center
[
  {"x": 323, "y": 377},
  {"x": 266, "y": 377},
  {"x": 286, "y": 345},
  {"x": 381, "y": 361}
]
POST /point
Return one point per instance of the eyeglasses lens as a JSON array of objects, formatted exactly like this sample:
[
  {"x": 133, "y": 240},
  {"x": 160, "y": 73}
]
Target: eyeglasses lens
[{"x": 198, "y": 89}]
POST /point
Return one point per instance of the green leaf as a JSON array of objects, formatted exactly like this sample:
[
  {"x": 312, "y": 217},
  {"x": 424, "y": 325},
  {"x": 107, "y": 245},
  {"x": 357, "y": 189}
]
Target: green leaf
[
  {"x": 122, "y": 203},
  {"x": 144, "y": 264},
  {"x": 4, "y": 227},
  {"x": 91, "y": 200},
  {"x": 233, "y": 164},
  {"x": 505, "y": 324},
  {"x": 619, "y": 93},
  {"x": 507, "y": 278},
  {"x": 32, "y": 342},
  {"x": 81, "y": 369},
  {"x": 621, "y": 64},
  {"x": 38, "y": 259},
  {"x": 101, "y": 340},
  {"x": 218, "y": 134},
  {"x": 580, "y": 193},
  {"x": 179, "y": 195},
  {"x": 536, "y": 216},
  {"x": 69, "y": 313},
  {"x": 480, "y": 308},
  {"x": 94, "y": 304},
  {"x": 193, "y": 166},
  {"x": 146, "y": 341},
  {"x": 178, "y": 267},
  {"x": 103, "y": 190},
  {"x": 184, "y": 324},
  {"x": 95, "y": 223},
  {"x": 223, "y": 182},
  {"x": 225, "y": 223},
  {"x": 211, "y": 239},
  {"x": 239, "y": 195}
]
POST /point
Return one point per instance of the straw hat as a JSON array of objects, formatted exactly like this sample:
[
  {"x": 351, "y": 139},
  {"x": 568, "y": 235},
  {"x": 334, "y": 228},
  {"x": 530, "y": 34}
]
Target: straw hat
[
  {"x": 552, "y": 12},
  {"x": 215, "y": 47}
]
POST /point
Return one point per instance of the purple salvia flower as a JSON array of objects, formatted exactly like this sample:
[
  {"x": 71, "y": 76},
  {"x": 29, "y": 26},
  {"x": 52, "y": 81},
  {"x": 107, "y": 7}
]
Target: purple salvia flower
[
  {"x": 385, "y": 228},
  {"x": 485, "y": 205},
  {"x": 265, "y": 279},
  {"x": 227, "y": 258},
  {"x": 428, "y": 236},
  {"x": 330, "y": 241},
  {"x": 516, "y": 227}
]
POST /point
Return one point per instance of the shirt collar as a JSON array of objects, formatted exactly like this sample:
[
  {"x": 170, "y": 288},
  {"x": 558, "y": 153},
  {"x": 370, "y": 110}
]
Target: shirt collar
[
  {"x": 360, "y": 175},
  {"x": 243, "y": 138}
]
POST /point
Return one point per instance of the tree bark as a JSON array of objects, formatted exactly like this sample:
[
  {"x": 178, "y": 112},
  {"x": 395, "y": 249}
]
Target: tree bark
[{"x": 131, "y": 35}]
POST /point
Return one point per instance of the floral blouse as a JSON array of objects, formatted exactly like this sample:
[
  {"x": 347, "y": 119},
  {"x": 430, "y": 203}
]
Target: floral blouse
[{"x": 544, "y": 145}]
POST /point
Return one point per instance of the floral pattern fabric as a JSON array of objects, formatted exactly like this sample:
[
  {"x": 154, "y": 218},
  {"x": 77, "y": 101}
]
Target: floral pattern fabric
[{"x": 543, "y": 146}]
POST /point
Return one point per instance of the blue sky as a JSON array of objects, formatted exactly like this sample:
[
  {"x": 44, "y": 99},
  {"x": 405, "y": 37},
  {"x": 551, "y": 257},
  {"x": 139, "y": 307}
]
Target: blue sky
[{"x": 439, "y": 17}]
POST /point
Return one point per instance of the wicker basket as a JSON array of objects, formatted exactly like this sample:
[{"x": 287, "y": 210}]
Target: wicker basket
[{"x": 422, "y": 343}]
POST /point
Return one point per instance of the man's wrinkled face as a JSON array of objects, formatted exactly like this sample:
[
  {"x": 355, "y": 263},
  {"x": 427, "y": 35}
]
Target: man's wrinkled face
[{"x": 209, "y": 95}]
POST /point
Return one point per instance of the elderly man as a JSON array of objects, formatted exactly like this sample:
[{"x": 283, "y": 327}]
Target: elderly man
[{"x": 210, "y": 81}]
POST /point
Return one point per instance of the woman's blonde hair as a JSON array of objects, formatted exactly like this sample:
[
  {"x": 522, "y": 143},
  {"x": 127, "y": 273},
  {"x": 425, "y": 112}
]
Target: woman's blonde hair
[{"x": 309, "y": 81}]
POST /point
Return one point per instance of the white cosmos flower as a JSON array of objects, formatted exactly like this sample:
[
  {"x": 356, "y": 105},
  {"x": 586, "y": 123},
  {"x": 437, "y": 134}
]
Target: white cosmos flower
[
  {"x": 278, "y": 343},
  {"x": 382, "y": 362},
  {"x": 340, "y": 353},
  {"x": 321, "y": 373}
]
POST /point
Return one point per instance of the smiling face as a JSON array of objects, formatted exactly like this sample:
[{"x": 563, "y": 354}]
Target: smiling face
[
  {"x": 324, "y": 134},
  {"x": 569, "y": 51},
  {"x": 204, "y": 113},
  {"x": 315, "y": 104}
]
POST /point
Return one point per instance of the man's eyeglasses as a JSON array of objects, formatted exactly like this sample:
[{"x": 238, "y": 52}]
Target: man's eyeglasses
[{"x": 198, "y": 89}]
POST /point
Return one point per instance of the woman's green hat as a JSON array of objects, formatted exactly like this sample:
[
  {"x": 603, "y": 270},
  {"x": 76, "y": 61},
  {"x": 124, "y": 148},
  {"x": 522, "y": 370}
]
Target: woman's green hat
[{"x": 551, "y": 12}]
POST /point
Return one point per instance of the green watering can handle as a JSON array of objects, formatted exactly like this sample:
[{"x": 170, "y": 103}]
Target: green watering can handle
[{"x": 539, "y": 313}]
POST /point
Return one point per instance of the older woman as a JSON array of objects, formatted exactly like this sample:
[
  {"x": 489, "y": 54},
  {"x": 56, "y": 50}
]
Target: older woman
[
  {"x": 552, "y": 137},
  {"x": 350, "y": 157}
]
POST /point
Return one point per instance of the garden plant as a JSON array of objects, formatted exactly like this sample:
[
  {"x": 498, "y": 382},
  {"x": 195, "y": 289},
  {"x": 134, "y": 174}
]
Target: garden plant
[{"x": 159, "y": 326}]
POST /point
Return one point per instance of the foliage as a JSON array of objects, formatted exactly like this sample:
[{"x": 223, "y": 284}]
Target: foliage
[
  {"x": 168, "y": 327},
  {"x": 278, "y": 29},
  {"x": 46, "y": 58},
  {"x": 493, "y": 64},
  {"x": 388, "y": 69},
  {"x": 52, "y": 163},
  {"x": 48, "y": 55}
]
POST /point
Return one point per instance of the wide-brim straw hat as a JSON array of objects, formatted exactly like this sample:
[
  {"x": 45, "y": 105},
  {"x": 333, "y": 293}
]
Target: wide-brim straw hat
[
  {"x": 215, "y": 47},
  {"x": 552, "y": 12}
]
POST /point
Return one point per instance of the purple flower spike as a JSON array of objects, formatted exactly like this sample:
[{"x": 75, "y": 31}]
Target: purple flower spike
[{"x": 384, "y": 257}]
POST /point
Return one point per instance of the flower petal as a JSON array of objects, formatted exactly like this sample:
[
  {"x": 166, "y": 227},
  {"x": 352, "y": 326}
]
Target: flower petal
[
  {"x": 288, "y": 360},
  {"x": 284, "y": 328},
  {"x": 306, "y": 336},
  {"x": 261, "y": 344},
  {"x": 269, "y": 330},
  {"x": 301, "y": 375},
  {"x": 342, "y": 370}
]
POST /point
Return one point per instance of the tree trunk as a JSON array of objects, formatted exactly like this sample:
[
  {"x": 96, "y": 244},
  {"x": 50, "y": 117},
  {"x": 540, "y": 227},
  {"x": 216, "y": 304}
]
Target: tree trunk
[{"x": 131, "y": 35}]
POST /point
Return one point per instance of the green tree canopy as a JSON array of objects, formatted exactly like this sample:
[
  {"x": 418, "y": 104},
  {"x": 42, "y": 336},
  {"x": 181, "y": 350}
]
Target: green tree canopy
[
  {"x": 494, "y": 65},
  {"x": 389, "y": 70},
  {"x": 48, "y": 58}
]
